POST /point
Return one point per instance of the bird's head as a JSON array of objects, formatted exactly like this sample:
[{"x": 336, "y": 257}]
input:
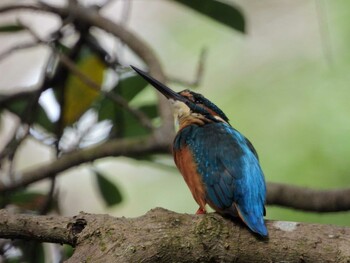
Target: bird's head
[{"x": 188, "y": 106}]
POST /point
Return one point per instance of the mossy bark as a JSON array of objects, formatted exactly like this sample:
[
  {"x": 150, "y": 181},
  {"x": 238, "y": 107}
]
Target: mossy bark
[{"x": 165, "y": 236}]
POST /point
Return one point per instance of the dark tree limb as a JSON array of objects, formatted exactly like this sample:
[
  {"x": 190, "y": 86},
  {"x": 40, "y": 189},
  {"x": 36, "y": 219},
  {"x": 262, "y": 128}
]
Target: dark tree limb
[
  {"x": 303, "y": 198},
  {"x": 166, "y": 236},
  {"x": 50, "y": 229},
  {"x": 118, "y": 147}
]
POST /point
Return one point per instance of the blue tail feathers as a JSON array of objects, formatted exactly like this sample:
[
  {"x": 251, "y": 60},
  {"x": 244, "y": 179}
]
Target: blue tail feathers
[{"x": 254, "y": 222}]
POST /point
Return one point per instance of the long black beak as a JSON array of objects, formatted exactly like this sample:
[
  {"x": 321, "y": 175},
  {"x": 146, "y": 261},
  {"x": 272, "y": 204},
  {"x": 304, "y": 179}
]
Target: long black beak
[{"x": 167, "y": 92}]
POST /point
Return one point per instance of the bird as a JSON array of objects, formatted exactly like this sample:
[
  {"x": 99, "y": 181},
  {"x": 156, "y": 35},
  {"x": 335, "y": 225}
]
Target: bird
[{"x": 219, "y": 164}]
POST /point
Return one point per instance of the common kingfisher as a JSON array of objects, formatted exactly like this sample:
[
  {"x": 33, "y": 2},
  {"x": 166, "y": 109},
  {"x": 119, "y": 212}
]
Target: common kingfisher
[{"x": 220, "y": 165}]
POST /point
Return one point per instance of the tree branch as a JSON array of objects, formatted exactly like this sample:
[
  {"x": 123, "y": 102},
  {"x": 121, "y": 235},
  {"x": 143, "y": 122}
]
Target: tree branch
[
  {"x": 117, "y": 147},
  {"x": 165, "y": 236},
  {"x": 21, "y": 46},
  {"x": 303, "y": 198},
  {"x": 51, "y": 229}
]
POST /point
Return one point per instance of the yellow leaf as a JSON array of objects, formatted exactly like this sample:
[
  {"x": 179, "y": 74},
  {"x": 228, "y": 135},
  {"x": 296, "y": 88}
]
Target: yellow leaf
[{"x": 79, "y": 96}]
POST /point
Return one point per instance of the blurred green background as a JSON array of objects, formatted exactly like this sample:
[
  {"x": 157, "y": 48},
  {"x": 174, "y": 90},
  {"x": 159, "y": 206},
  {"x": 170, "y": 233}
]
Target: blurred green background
[{"x": 283, "y": 84}]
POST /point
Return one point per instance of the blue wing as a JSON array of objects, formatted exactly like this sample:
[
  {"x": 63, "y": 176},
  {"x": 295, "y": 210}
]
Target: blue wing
[{"x": 230, "y": 170}]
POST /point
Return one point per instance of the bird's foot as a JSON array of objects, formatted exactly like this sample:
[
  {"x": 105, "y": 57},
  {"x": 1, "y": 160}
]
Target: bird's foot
[{"x": 201, "y": 211}]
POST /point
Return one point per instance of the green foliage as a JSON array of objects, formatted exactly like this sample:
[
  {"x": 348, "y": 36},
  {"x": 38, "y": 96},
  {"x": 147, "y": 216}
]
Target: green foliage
[
  {"x": 125, "y": 124},
  {"x": 24, "y": 199},
  {"x": 78, "y": 96},
  {"x": 129, "y": 86},
  {"x": 11, "y": 28},
  {"x": 27, "y": 112},
  {"x": 221, "y": 12},
  {"x": 108, "y": 190},
  {"x": 67, "y": 251}
]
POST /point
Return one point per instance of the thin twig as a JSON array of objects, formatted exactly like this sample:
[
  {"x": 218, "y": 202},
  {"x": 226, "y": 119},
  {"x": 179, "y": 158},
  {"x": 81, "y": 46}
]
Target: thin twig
[
  {"x": 117, "y": 147},
  {"x": 199, "y": 72},
  {"x": 21, "y": 46},
  {"x": 50, "y": 198},
  {"x": 324, "y": 31},
  {"x": 106, "y": 4}
]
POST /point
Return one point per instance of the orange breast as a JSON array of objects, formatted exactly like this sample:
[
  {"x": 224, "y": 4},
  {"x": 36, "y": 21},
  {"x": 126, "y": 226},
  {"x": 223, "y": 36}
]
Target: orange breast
[{"x": 187, "y": 166}]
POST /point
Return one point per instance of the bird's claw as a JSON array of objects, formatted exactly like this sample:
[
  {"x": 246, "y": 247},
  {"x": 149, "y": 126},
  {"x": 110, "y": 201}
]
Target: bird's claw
[{"x": 201, "y": 211}]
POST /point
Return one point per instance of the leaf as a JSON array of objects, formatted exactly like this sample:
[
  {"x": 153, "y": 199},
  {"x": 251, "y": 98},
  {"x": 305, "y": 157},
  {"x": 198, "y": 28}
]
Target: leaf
[
  {"x": 11, "y": 28},
  {"x": 20, "y": 108},
  {"x": 68, "y": 251},
  {"x": 129, "y": 86},
  {"x": 107, "y": 109},
  {"x": 79, "y": 96},
  {"x": 223, "y": 13},
  {"x": 124, "y": 123},
  {"x": 109, "y": 191},
  {"x": 33, "y": 251},
  {"x": 26, "y": 200},
  {"x": 151, "y": 110},
  {"x": 131, "y": 125}
]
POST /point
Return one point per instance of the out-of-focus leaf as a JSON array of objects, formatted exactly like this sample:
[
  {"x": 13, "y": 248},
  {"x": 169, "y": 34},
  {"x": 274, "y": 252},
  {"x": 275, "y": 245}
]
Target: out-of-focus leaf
[
  {"x": 26, "y": 200},
  {"x": 40, "y": 254},
  {"x": 129, "y": 86},
  {"x": 67, "y": 252},
  {"x": 20, "y": 108},
  {"x": 11, "y": 28},
  {"x": 132, "y": 126},
  {"x": 107, "y": 109},
  {"x": 79, "y": 96},
  {"x": 109, "y": 191},
  {"x": 43, "y": 120},
  {"x": 222, "y": 12},
  {"x": 33, "y": 251},
  {"x": 151, "y": 110},
  {"x": 124, "y": 123}
]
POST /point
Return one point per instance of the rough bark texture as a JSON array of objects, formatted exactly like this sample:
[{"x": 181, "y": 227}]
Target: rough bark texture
[{"x": 165, "y": 236}]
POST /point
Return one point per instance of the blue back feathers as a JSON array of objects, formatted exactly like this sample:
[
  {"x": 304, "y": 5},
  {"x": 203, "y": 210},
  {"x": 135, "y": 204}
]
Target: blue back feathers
[{"x": 229, "y": 168}]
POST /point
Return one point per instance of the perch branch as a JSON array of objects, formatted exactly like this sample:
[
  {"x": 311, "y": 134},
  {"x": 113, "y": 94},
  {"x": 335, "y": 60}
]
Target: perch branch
[
  {"x": 166, "y": 236},
  {"x": 51, "y": 229}
]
